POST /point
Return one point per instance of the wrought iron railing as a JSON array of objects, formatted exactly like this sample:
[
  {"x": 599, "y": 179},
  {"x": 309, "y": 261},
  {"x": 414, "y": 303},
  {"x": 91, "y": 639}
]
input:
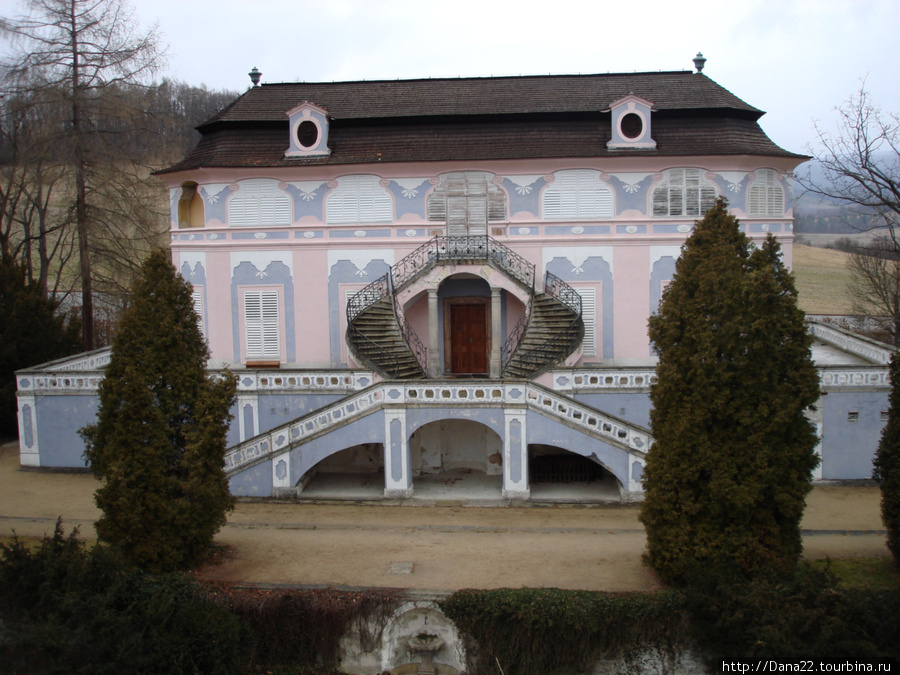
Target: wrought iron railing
[
  {"x": 368, "y": 296},
  {"x": 363, "y": 347},
  {"x": 459, "y": 249},
  {"x": 412, "y": 340},
  {"x": 560, "y": 290},
  {"x": 441, "y": 249},
  {"x": 515, "y": 337},
  {"x": 562, "y": 343}
]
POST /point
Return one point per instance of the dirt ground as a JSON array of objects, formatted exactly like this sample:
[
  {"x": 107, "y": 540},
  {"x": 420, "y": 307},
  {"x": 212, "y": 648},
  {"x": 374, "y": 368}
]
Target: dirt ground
[{"x": 429, "y": 548}]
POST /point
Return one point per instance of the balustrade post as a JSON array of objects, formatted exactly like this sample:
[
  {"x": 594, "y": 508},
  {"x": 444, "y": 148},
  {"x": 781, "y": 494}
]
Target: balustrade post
[
  {"x": 515, "y": 455},
  {"x": 496, "y": 337},
  {"x": 434, "y": 352},
  {"x": 397, "y": 464}
]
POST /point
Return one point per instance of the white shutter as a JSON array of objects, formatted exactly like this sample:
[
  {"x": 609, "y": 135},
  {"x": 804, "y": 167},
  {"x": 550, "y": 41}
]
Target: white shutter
[
  {"x": 262, "y": 325},
  {"x": 589, "y": 316},
  {"x": 259, "y": 202},
  {"x": 577, "y": 194},
  {"x": 359, "y": 199},
  {"x": 766, "y": 196},
  {"x": 197, "y": 299}
]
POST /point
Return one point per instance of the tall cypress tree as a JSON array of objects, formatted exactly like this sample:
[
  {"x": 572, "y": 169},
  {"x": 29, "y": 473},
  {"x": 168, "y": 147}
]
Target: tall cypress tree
[
  {"x": 887, "y": 465},
  {"x": 726, "y": 479},
  {"x": 159, "y": 441}
]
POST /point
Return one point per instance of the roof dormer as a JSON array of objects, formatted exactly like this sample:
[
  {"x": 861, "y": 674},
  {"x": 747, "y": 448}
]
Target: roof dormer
[
  {"x": 631, "y": 124},
  {"x": 309, "y": 131}
]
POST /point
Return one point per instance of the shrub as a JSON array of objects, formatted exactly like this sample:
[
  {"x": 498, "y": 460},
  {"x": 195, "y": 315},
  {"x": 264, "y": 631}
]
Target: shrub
[
  {"x": 550, "y": 631},
  {"x": 65, "y": 608},
  {"x": 790, "y": 618}
]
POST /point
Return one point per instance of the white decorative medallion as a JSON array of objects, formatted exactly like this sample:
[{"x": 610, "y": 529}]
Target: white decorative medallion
[
  {"x": 359, "y": 233},
  {"x": 578, "y": 229}
]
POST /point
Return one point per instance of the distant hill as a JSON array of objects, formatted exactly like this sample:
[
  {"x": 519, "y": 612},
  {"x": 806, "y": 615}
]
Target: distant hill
[{"x": 814, "y": 214}]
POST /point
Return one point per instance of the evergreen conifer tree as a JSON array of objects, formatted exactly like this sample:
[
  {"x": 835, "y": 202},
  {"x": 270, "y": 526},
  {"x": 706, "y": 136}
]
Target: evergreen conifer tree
[
  {"x": 159, "y": 441},
  {"x": 887, "y": 465},
  {"x": 31, "y": 332},
  {"x": 727, "y": 477}
]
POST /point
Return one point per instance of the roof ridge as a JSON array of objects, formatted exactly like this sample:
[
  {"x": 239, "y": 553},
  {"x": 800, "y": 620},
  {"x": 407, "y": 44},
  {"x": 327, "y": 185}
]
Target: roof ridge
[{"x": 478, "y": 77}]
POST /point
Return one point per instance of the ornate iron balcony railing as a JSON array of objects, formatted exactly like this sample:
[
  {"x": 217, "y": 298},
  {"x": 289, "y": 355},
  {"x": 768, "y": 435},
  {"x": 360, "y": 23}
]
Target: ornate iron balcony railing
[{"x": 445, "y": 249}]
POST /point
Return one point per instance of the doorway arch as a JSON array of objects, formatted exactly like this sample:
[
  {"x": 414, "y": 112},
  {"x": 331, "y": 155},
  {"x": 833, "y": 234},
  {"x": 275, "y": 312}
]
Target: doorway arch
[
  {"x": 557, "y": 474},
  {"x": 451, "y": 455}
]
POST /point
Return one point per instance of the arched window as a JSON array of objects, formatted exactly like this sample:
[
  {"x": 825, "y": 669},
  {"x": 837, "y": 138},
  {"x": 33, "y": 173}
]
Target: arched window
[
  {"x": 466, "y": 201},
  {"x": 683, "y": 192},
  {"x": 766, "y": 196},
  {"x": 259, "y": 202},
  {"x": 359, "y": 199},
  {"x": 575, "y": 195}
]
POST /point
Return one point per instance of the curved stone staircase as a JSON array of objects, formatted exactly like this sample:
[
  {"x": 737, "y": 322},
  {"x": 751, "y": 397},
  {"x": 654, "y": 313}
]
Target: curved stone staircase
[
  {"x": 554, "y": 331},
  {"x": 379, "y": 337}
]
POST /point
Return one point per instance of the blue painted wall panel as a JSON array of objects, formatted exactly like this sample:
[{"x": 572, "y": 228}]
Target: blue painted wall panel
[
  {"x": 59, "y": 419},
  {"x": 848, "y": 447}
]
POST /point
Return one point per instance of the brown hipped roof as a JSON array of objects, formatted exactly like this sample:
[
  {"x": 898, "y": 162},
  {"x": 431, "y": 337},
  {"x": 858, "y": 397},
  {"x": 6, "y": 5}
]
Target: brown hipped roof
[{"x": 481, "y": 119}]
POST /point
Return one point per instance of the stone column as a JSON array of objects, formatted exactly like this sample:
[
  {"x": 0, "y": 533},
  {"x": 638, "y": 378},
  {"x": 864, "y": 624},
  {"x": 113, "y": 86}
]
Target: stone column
[
  {"x": 515, "y": 455},
  {"x": 434, "y": 349},
  {"x": 397, "y": 470},
  {"x": 496, "y": 334}
]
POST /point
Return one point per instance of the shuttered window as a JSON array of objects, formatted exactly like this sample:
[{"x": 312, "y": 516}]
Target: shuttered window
[
  {"x": 259, "y": 202},
  {"x": 766, "y": 196},
  {"x": 359, "y": 199},
  {"x": 466, "y": 201},
  {"x": 589, "y": 316},
  {"x": 683, "y": 192},
  {"x": 577, "y": 195},
  {"x": 262, "y": 325},
  {"x": 197, "y": 299}
]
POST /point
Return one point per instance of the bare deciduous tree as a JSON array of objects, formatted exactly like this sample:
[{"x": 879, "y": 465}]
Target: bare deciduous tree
[
  {"x": 860, "y": 161},
  {"x": 84, "y": 56},
  {"x": 874, "y": 286}
]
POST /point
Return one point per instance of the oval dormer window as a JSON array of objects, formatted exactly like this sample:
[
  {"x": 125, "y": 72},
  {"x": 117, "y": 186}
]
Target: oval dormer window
[
  {"x": 632, "y": 125},
  {"x": 307, "y": 134}
]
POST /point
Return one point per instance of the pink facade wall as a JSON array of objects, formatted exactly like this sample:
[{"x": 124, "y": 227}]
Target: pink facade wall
[{"x": 320, "y": 277}]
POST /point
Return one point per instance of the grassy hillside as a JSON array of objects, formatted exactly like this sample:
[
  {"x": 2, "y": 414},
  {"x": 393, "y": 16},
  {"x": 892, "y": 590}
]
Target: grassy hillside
[{"x": 821, "y": 276}]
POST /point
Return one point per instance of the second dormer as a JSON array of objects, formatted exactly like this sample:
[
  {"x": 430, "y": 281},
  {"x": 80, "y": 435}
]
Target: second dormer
[
  {"x": 309, "y": 131},
  {"x": 631, "y": 124}
]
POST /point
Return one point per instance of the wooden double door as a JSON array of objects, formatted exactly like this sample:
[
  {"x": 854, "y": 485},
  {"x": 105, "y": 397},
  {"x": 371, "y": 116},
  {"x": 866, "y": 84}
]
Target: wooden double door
[{"x": 467, "y": 336}]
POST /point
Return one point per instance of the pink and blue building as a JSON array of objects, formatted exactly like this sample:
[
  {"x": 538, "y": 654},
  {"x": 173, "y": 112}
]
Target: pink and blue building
[{"x": 416, "y": 279}]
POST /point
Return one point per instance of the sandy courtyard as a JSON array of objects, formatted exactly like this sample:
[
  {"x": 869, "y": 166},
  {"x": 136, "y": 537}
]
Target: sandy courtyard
[{"x": 429, "y": 548}]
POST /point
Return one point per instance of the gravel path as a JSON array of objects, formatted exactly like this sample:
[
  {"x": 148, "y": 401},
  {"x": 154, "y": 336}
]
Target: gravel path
[{"x": 429, "y": 548}]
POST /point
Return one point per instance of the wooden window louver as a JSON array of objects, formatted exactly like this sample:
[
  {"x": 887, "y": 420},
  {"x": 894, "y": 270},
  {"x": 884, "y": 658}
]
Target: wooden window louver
[
  {"x": 259, "y": 202},
  {"x": 261, "y": 324},
  {"x": 359, "y": 199},
  {"x": 683, "y": 192},
  {"x": 589, "y": 316},
  {"x": 577, "y": 195},
  {"x": 766, "y": 196},
  {"x": 466, "y": 202}
]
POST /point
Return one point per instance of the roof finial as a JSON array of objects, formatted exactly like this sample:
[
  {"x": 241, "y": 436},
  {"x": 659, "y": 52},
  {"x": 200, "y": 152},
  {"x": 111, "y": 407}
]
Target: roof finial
[
  {"x": 254, "y": 76},
  {"x": 699, "y": 61}
]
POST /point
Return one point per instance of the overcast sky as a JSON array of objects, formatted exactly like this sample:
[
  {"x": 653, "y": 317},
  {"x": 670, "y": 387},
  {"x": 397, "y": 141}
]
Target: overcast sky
[{"x": 795, "y": 59}]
